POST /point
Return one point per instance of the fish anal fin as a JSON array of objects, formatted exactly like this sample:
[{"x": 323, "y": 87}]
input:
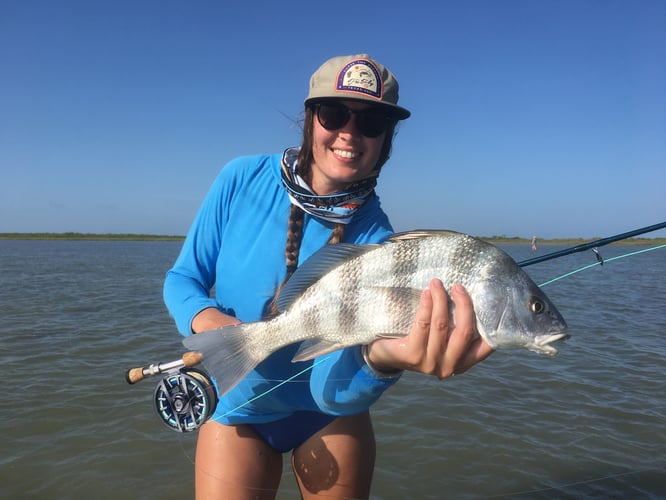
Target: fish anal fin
[{"x": 310, "y": 349}]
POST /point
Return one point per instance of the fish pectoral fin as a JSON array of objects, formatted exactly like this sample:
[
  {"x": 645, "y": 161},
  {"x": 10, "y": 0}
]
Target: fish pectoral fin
[{"x": 310, "y": 349}]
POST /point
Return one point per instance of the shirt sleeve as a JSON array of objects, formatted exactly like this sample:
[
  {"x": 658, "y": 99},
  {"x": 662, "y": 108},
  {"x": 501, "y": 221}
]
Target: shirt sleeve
[
  {"x": 188, "y": 284},
  {"x": 343, "y": 384}
]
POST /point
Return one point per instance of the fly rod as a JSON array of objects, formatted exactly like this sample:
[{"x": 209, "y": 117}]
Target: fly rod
[{"x": 592, "y": 244}]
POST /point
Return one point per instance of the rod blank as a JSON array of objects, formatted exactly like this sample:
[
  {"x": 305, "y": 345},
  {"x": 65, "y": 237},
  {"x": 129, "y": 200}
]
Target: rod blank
[{"x": 593, "y": 244}]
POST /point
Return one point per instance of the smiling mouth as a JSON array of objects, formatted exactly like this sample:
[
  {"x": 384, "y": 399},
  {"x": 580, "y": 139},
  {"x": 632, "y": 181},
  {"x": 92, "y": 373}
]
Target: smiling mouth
[{"x": 346, "y": 154}]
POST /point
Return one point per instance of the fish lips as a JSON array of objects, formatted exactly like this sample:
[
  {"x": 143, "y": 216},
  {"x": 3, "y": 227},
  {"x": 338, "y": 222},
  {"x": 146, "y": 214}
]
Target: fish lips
[{"x": 542, "y": 343}]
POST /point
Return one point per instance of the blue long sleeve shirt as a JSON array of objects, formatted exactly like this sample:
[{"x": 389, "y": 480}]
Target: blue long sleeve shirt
[{"x": 236, "y": 248}]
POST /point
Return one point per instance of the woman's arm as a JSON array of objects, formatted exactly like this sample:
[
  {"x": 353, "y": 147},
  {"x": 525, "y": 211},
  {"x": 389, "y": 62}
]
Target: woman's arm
[{"x": 211, "y": 319}]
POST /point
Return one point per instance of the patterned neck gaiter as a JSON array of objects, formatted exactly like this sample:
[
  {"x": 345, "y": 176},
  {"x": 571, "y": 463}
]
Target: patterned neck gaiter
[{"x": 336, "y": 207}]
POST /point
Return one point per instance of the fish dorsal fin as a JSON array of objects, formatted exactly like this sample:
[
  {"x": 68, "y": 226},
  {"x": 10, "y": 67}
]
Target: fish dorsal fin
[
  {"x": 321, "y": 262},
  {"x": 421, "y": 233}
]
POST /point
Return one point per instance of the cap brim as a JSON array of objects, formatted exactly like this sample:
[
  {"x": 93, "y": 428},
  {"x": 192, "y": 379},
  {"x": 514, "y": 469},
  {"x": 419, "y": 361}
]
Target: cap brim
[{"x": 396, "y": 111}]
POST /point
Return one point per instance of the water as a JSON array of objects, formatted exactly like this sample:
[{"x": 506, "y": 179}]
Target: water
[{"x": 588, "y": 423}]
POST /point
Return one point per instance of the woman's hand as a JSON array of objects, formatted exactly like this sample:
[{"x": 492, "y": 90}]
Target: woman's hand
[
  {"x": 434, "y": 345},
  {"x": 211, "y": 319}
]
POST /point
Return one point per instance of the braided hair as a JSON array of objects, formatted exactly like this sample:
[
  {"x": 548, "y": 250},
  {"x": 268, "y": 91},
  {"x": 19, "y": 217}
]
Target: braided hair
[{"x": 296, "y": 214}]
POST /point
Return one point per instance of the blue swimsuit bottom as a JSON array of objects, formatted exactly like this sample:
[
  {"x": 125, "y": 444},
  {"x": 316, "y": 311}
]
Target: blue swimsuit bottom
[{"x": 288, "y": 433}]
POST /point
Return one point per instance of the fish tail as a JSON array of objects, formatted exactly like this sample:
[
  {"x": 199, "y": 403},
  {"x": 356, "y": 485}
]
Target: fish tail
[{"x": 225, "y": 354}]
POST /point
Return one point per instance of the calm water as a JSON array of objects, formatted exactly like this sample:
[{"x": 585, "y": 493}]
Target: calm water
[{"x": 589, "y": 423}]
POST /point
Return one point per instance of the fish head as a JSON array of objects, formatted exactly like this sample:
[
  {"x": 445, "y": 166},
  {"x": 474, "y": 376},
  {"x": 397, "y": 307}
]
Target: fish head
[{"x": 516, "y": 313}]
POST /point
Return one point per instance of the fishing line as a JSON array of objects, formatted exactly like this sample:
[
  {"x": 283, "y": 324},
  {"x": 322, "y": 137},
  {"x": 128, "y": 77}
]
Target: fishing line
[
  {"x": 185, "y": 398},
  {"x": 277, "y": 386},
  {"x": 601, "y": 263},
  {"x": 525, "y": 263},
  {"x": 553, "y": 255},
  {"x": 579, "y": 483}
]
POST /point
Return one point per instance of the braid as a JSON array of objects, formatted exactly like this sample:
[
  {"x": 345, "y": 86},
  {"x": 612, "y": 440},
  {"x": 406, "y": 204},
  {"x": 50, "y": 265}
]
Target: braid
[
  {"x": 291, "y": 252},
  {"x": 296, "y": 214},
  {"x": 293, "y": 248},
  {"x": 337, "y": 234},
  {"x": 294, "y": 237}
]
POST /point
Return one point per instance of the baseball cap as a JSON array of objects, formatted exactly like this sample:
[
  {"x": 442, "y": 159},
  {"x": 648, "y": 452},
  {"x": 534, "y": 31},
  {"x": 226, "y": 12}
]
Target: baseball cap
[{"x": 356, "y": 77}]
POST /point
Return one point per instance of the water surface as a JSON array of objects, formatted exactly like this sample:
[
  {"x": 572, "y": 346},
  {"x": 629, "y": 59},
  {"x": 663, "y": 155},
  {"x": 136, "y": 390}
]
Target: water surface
[{"x": 587, "y": 423}]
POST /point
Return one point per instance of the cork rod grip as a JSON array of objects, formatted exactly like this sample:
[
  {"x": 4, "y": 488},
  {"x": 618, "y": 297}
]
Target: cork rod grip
[{"x": 188, "y": 360}]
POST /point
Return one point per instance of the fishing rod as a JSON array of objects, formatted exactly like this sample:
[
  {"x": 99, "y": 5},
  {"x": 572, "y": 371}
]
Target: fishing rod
[
  {"x": 592, "y": 245},
  {"x": 185, "y": 397}
]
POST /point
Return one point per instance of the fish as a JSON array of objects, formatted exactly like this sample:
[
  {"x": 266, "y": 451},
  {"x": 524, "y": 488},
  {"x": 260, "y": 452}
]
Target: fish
[{"x": 349, "y": 294}]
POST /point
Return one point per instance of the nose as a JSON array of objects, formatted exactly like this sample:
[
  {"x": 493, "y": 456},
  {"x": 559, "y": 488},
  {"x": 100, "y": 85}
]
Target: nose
[{"x": 351, "y": 127}]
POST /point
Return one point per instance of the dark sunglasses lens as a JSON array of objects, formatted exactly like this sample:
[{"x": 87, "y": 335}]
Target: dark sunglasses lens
[
  {"x": 372, "y": 123},
  {"x": 332, "y": 117}
]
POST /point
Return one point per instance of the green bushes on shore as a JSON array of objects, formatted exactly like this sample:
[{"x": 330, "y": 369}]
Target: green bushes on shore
[{"x": 157, "y": 237}]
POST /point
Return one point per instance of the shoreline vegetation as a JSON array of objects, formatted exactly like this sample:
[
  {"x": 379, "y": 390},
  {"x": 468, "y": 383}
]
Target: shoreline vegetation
[{"x": 71, "y": 236}]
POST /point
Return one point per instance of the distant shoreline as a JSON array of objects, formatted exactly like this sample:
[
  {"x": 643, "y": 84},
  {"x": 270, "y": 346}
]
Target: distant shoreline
[
  {"x": 70, "y": 236},
  {"x": 90, "y": 237}
]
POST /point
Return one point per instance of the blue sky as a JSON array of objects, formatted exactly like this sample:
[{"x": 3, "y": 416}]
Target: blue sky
[{"x": 528, "y": 118}]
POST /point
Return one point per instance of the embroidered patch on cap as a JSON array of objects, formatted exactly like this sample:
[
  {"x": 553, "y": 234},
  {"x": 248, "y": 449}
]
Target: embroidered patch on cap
[{"x": 360, "y": 76}]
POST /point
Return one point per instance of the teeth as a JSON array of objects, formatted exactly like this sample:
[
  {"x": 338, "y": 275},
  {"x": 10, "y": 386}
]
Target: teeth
[{"x": 345, "y": 154}]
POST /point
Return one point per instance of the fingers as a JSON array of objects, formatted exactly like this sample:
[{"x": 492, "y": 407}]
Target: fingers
[
  {"x": 464, "y": 332},
  {"x": 413, "y": 348},
  {"x": 421, "y": 328},
  {"x": 466, "y": 345},
  {"x": 434, "y": 345},
  {"x": 447, "y": 349},
  {"x": 438, "y": 333},
  {"x": 427, "y": 340},
  {"x": 478, "y": 351}
]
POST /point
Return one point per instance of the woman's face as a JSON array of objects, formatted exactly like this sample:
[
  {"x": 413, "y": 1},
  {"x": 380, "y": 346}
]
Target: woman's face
[{"x": 344, "y": 155}]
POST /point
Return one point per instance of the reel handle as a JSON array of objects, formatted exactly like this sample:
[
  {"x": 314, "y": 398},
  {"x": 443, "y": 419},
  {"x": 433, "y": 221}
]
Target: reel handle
[{"x": 188, "y": 360}]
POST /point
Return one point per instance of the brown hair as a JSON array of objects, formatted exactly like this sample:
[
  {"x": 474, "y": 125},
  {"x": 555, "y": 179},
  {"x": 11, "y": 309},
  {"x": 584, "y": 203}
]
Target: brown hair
[{"x": 296, "y": 214}]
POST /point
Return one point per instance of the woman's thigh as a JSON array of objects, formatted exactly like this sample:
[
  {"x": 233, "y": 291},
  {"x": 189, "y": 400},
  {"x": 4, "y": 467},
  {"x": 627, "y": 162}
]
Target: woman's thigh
[
  {"x": 339, "y": 460},
  {"x": 233, "y": 462}
]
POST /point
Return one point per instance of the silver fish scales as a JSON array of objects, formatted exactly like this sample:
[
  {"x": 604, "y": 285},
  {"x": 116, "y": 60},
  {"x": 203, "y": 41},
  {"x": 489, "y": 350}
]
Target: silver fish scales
[{"x": 353, "y": 294}]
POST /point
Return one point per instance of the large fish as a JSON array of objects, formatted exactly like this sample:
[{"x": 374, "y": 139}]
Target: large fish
[{"x": 353, "y": 294}]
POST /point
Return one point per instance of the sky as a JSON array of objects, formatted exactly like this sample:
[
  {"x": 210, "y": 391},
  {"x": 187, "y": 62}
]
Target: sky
[{"x": 529, "y": 117}]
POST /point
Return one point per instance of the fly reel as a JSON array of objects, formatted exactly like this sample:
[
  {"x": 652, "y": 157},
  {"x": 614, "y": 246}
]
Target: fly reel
[{"x": 184, "y": 399}]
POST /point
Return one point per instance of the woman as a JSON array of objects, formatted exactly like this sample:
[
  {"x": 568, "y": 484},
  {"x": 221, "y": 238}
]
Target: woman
[{"x": 322, "y": 192}]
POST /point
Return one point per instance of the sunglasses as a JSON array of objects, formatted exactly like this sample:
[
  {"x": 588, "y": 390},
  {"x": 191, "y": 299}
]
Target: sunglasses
[{"x": 371, "y": 122}]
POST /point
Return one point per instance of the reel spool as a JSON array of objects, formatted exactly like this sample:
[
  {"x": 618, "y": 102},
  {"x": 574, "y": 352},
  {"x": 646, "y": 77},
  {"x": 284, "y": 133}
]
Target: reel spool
[{"x": 184, "y": 399}]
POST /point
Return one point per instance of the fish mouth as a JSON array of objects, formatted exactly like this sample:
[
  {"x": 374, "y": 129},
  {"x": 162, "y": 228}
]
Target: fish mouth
[
  {"x": 552, "y": 337},
  {"x": 542, "y": 343}
]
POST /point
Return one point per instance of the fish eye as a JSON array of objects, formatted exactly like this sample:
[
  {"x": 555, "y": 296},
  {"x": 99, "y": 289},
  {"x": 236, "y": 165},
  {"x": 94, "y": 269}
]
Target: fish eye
[{"x": 537, "y": 306}]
